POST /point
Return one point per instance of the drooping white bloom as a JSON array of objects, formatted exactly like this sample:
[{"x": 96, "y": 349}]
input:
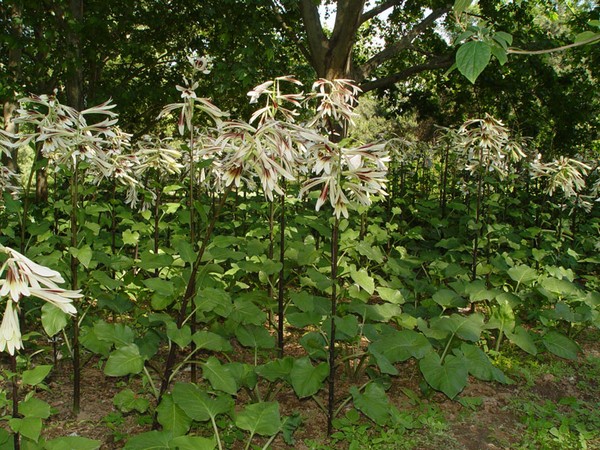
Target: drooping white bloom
[
  {"x": 9, "y": 181},
  {"x": 564, "y": 173},
  {"x": 487, "y": 145},
  {"x": 25, "y": 278},
  {"x": 348, "y": 174},
  {"x": 64, "y": 133},
  {"x": 277, "y": 103},
  {"x": 10, "y": 332}
]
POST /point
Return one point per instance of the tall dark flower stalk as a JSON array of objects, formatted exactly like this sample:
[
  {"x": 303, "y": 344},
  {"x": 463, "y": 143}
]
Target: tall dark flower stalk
[
  {"x": 25, "y": 278},
  {"x": 568, "y": 176},
  {"x": 487, "y": 147},
  {"x": 280, "y": 138},
  {"x": 67, "y": 141},
  {"x": 345, "y": 176},
  {"x": 190, "y": 103},
  {"x": 74, "y": 266}
]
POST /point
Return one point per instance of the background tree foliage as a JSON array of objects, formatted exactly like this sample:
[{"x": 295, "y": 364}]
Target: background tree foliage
[{"x": 91, "y": 50}]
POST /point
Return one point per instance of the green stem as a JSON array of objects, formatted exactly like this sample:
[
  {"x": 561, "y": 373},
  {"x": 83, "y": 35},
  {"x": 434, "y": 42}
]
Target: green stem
[
  {"x": 281, "y": 285},
  {"x": 334, "y": 269},
  {"x": 152, "y": 385},
  {"x": 15, "y": 397},
  {"x": 271, "y": 439},
  {"x": 249, "y": 441},
  {"x": 499, "y": 340},
  {"x": 216, "y": 429},
  {"x": 446, "y": 349},
  {"x": 74, "y": 286},
  {"x": 188, "y": 295}
]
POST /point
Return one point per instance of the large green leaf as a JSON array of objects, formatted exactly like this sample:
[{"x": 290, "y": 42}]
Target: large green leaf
[
  {"x": 150, "y": 440},
  {"x": 364, "y": 280},
  {"x": 151, "y": 261},
  {"x": 346, "y": 327},
  {"x": 278, "y": 369},
  {"x": 124, "y": 361},
  {"x": 35, "y": 376},
  {"x": 466, "y": 327},
  {"x": 211, "y": 341},
  {"x": 185, "y": 250},
  {"x": 197, "y": 404},
  {"x": 115, "y": 333},
  {"x": 401, "y": 345},
  {"x": 218, "y": 376},
  {"x": 246, "y": 312},
  {"x": 29, "y": 427},
  {"x": 171, "y": 417},
  {"x": 522, "y": 274},
  {"x": 522, "y": 339},
  {"x": 89, "y": 340},
  {"x": 450, "y": 377},
  {"x": 561, "y": 288},
  {"x": 83, "y": 254},
  {"x": 254, "y": 336},
  {"x": 260, "y": 418},
  {"x": 447, "y": 298},
  {"x": 244, "y": 374},
  {"x": 72, "y": 442},
  {"x": 215, "y": 300},
  {"x": 34, "y": 407},
  {"x": 181, "y": 336},
  {"x": 127, "y": 401},
  {"x": 130, "y": 237},
  {"x": 391, "y": 295},
  {"x": 373, "y": 403},
  {"x": 54, "y": 319},
  {"x": 472, "y": 57},
  {"x": 192, "y": 443},
  {"x": 560, "y": 345},
  {"x": 502, "y": 317},
  {"x": 373, "y": 253},
  {"x": 479, "y": 364},
  {"x": 160, "y": 286},
  {"x": 307, "y": 379},
  {"x": 315, "y": 345}
]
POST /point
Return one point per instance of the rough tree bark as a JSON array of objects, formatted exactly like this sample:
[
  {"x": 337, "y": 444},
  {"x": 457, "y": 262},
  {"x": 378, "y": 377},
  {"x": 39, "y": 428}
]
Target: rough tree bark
[
  {"x": 332, "y": 57},
  {"x": 15, "y": 10}
]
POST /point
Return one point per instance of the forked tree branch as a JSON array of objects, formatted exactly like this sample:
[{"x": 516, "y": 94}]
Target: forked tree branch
[
  {"x": 404, "y": 43},
  {"x": 442, "y": 62},
  {"x": 593, "y": 40},
  {"x": 376, "y": 10}
]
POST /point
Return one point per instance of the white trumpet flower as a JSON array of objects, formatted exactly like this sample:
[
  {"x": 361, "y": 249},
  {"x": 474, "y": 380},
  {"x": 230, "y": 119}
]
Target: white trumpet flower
[{"x": 25, "y": 278}]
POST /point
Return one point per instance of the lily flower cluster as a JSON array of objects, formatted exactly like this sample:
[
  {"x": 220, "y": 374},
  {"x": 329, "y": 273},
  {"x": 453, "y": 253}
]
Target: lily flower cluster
[
  {"x": 268, "y": 150},
  {"x": 190, "y": 101},
  {"x": 9, "y": 181},
  {"x": 487, "y": 145},
  {"x": 64, "y": 133},
  {"x": 25, "y": 278},
  {"x": 336, "y": 101},
  {"x": 564, "y": 173},
  {"x": 272, "y": 148},
  {"x": 348, "y": 174},
  {"x": 277, "y": 102},
  {"x": 343, "y": 174}
]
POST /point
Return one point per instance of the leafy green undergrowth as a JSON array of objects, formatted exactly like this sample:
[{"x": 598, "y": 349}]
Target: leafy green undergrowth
[
  {"x": 410, "y": 429},
  {"x": 553, "y": 404}
]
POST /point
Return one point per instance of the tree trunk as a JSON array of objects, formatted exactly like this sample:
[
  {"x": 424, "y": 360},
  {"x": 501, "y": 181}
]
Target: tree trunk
[
  {"x": 332, "y": 57},
  {"x": 74, "y": 81},
  {"x": 13, "y": 72}
]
